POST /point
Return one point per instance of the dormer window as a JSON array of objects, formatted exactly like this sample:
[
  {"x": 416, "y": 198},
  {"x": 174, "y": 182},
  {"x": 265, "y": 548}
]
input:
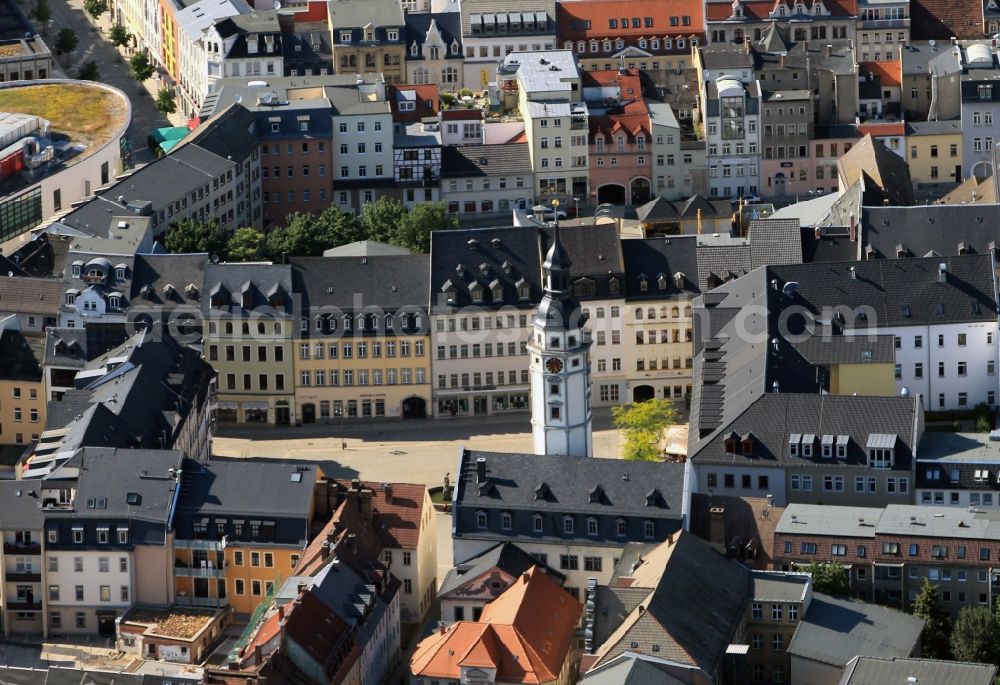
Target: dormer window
[
  {"x": 115, "y": 301},
  {"x": 454, "y": 47},
  {"x": 592, "y": 526},
  {"x": 537, "y": 525},
  {"x": 77, "y": 269},
  {"x": 345, "y": 36},
  {"x": 388, "y": 322},
  {"x": 569, "y": 525},
  {"x": 746, "y": 444},
  {"x": 614, "y": 286},
  {"x": 481, "y": 520},
  {"x": 661, "y": 282},
  {"x": 793, "y": 444},
  {"x": 304, "y": 324},
  {"x": 881, "y": 447},
  {"x": 643, "y": 283},
  {"x": 842, "y": 441},
  {"x": 361, "y": 322},
  {"x": 414, "y": 50},
  {"x": 392, "y": 35},
  {"x": 506, "y": 520},
  {"x": 807, "y": 444},
  {"x": 120, "y": 273},
  {"x": 347, "y": 322},
  {"x": 648, "y": 530},
  {"x": 621, "y": 529},
  {"x": 476, "y": 292},
  {"x": 523, "y": 290},
  {"x": 827, "y": 443},
  {"x": 71, "y": 297}
]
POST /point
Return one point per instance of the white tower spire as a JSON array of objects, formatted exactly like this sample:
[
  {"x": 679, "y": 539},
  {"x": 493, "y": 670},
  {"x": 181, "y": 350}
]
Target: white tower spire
[{"x": 560, "y": 364}]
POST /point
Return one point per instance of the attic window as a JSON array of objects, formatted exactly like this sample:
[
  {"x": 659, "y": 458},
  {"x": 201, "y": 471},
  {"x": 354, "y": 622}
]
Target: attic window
[
  {"x": 939, "y": 309},
  {"x": 661, "y": 282},
  {"x": 614, "y": 286},
  {"x": 643, "y": 283},
  {"x": 904, "y": 310},
  {"x": 132, "y": 499}
]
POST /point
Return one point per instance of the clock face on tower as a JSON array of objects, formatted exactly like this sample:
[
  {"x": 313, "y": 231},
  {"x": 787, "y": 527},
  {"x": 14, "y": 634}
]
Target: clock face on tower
[{"x": 554, "y": 365}]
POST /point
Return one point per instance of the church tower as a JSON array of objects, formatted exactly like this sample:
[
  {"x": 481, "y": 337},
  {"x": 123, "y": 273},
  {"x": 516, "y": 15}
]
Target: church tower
[{"x": 560, "y": 364}]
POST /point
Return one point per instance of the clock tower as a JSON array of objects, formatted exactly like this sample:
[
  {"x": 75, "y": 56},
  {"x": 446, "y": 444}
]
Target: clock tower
[{"x": 560, "y": 364}]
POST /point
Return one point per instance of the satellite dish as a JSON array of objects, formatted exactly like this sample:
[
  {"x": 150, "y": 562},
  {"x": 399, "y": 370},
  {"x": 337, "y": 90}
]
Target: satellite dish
[
  {"x": 276, "y": 4},
  {"x": 238, "y": 99}
]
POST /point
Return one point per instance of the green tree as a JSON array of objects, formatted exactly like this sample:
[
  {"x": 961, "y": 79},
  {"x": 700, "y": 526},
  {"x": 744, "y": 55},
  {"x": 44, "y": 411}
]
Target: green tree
[
  {"x": 643, "y": 424},
  {"x": 381, "y": 218},
  {"x": 246, "y": 245},
  {"x": 830, "y": 579},
  {"x": 975, "y": 636},
  {"x": 43, "y": 13},
  {"x": 140, "y": 67},
  {"x": 302, "y": 236},
  {"x": 188, "y": 235},
  {"x": 66, "y": 41},
  {"x": 119, "y": 36},
  {"x": 414, "y": 230},
  {"x": 88, "y": 71},
  {"x": 165, "y": 101},
  {"x": 95, "y": 8},
  {"x": 339, "y": 227},
  {"x": 936, "y": 623}
]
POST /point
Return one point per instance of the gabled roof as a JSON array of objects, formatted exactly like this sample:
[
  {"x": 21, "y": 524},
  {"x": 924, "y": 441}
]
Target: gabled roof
[
  {"x": 692, "y": 586},
  {"x": 586, "y": 20},
  {"x": 835, "y": 630},
  {"x": 673, "y": 258},
  {"x": 886, "y": 174},
  {"x": 26, "y": 295},
  {"x": 505, "y": 557},
  {"x": 919, "y": 231},
  {"x": 759, "y": 10},
  {"x": 525, "y": 635},
  {"x": 629, "y": 668},
  {"x": 391, "y": 281},
  {"x": 448, "y": 24},
  {"x": 397, "y": 522},
  {"x": 943, "y": 19},
  {"x": 876, "y": 670},
  {"x": 467, "y": 161}
]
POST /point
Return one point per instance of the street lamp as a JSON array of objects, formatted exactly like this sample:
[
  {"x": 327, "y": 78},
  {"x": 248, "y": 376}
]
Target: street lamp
[
  {"x": 576, "y": 207},
  {"x": 555, "y": 212}
]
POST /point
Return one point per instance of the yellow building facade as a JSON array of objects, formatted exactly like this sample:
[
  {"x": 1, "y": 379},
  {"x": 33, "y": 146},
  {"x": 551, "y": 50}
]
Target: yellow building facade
[
  {"x": 934, "y": 151},
  {"x": 22, "y": 390}
]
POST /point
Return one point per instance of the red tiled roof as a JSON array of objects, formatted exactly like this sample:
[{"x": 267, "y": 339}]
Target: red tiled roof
[
  {"x": 572, "y": 15},
  {"x": 425, "y": 93},
  {"x": 458, "y": 114},
  {"x": 316, "y": 629},
  {"x": 315, "y": 11},
  {"x": 521, "y": 137},
  {"x": 760, "y": 10},
  {"x": 525, "y": 634},
  {"x": 632, "y": 116},
  {"x": 397, "y": 524},
  {"x": 890, "y": 72},
  {"x": 878, "y": 129},
  {"x": 942, "y": 19}
]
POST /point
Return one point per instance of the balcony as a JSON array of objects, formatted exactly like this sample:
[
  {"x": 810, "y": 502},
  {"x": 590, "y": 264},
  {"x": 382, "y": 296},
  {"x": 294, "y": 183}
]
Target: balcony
[
  {"x": 24, "y": 606},
  {"x": 217, "y": 545},
  {"x": 22, "y": 548},
  {"x": 199, "y": 571},
  {"x": 24, "y": 577},
  {"x": 212, "y": 602},
  {"x": 884, "y": 24}
]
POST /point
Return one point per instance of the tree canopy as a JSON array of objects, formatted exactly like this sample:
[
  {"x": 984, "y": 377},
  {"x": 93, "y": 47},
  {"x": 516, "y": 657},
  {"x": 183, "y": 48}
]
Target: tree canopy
[
  {"x": 95, "y": 8},
  {"x": 140, "y": 67},
  {"x": 119, "y": 35},
  {"x": 975, "y": 636},
  {"x": 936, "y": 623},
  {"x": 643, "y": 424},
  {"x": 66, "y": 41},
  {"x": 829, "y": 578},
  {"x": 188, "y": 235}
]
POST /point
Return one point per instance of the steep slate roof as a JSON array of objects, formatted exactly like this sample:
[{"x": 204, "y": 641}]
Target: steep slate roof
[
  {"x": 219, "y": 488},
  {"x": 629, "y": 668},
  {"x": 874, "y": 670},
  {"x": 351, "y": 283},
  {"x": 515, "y": 478},
  {"x": 151, "y": 273},
  {"x": 834, "y": 631},
  {"x": 525, "y": 635},
  {"x": 448, "y": 24},
  {"x": 74, "y": 347},
  {"x": 505, "y": 556},
  {"x": 659, "y": 209},
  {"x": 674, "y": 257},
  {"x": 693, "y": 586},
  {"x": 19, "y": 508},
  {"x": 747, "y": 520},
  {"x": 22, "y": 356},
  {"x": 513, "y": 255},
  {"x": 741, "y": 353},
  {"x": 466, "y": 161},
  {"x": 470, "y": 7},
  {"x": 26, "y": 295},
  {"x": 263, "y": 278},
  {"x": 768, "y": 241},
  {"x": 929, "y": 230}
]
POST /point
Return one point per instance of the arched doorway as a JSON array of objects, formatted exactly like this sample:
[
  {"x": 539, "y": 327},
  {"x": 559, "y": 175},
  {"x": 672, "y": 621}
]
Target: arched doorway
[
  {"x": 981, "y": 169},
  {"x": 778, "y": 184},
  {"x": 640, "y": 191},
  {"x": 643, "y": 393},
  {"x": 611, "y": 193},
  {"x": 309, "y": 413},
  {"x": 414, "y": 408}
]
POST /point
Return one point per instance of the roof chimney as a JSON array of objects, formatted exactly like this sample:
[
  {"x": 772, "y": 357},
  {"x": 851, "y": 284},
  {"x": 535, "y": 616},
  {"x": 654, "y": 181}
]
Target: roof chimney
[
  {"x": 717, "y": 526},
  {"x": 942, "y": 273},
  {"x": 776, "y": 387},
  {"x": 829, "y": 50},
  {"x": 365, "y": 503},
  {"x": 854, "y": 274},
  {"x": 853, "y": 227},
  {"x": 326, "y": 549},
  {"x": 387, "y": 492},
  {"x": 352, "y": 543},
  {"x": 481, "y": 470}
]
